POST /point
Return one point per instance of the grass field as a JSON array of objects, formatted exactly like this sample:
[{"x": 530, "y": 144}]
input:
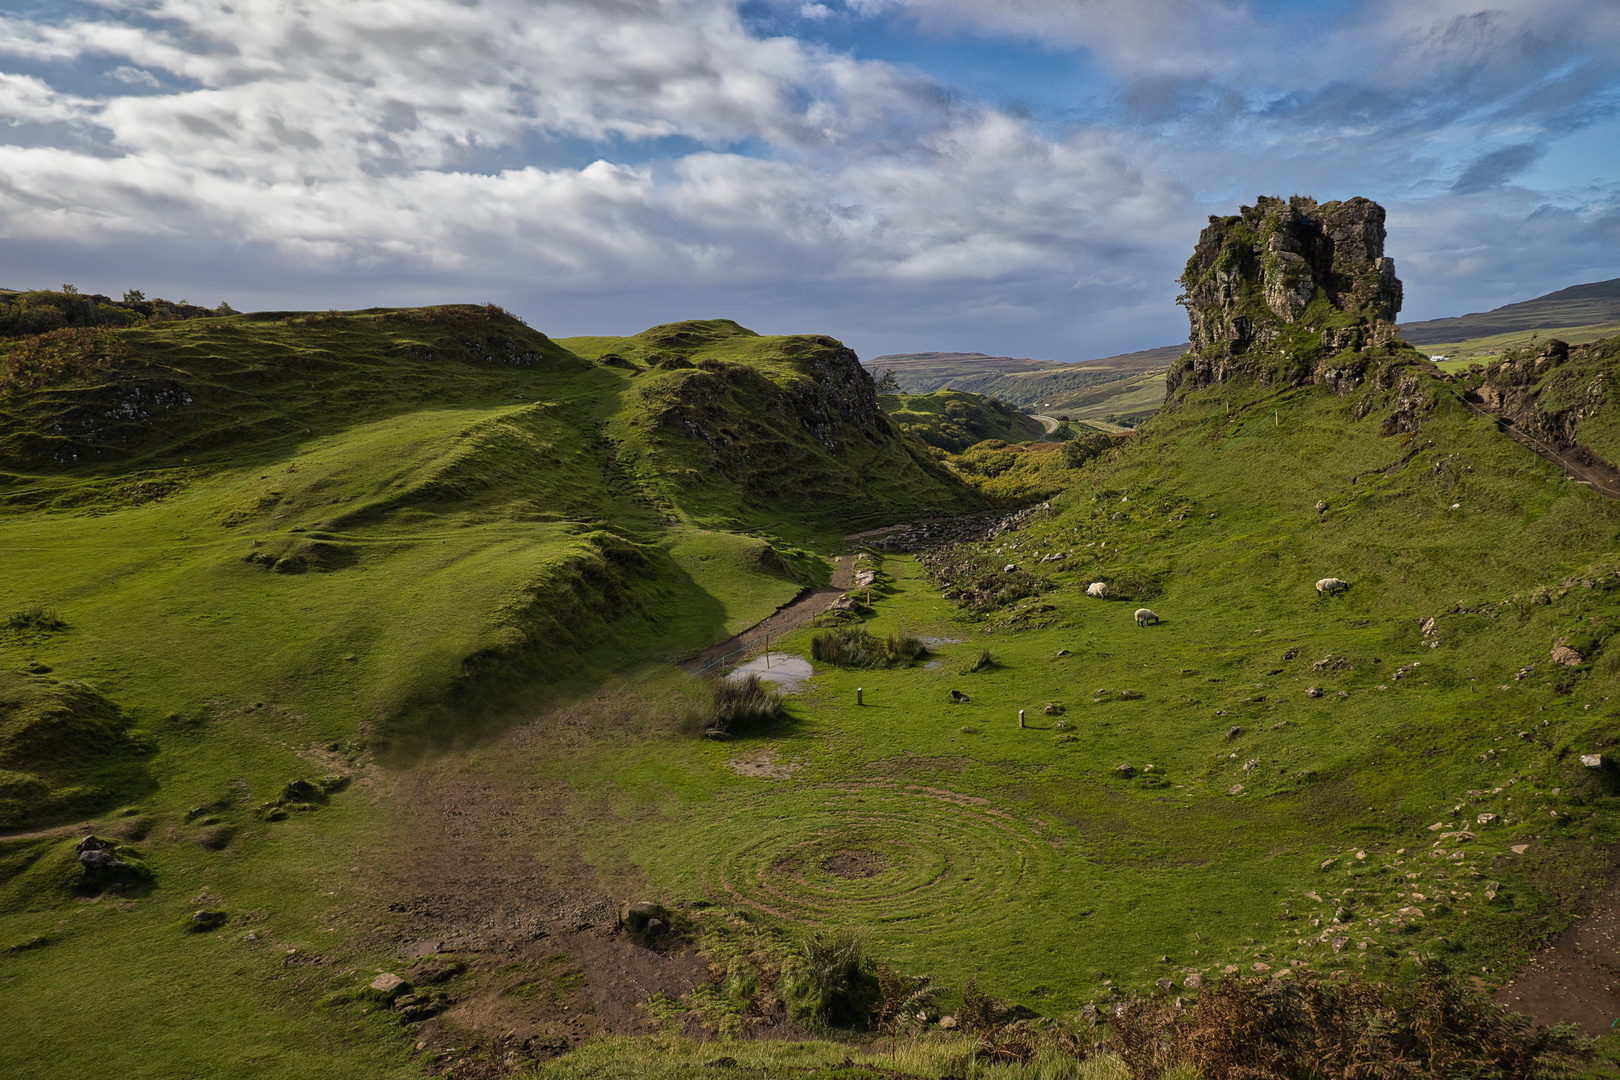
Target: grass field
[{"x": 1460, "y": 354}]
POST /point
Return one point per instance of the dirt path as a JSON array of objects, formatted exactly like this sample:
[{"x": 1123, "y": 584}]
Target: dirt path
[
  {"x": 807, "y": 605},
  {"x": 1576, "y": 979}
]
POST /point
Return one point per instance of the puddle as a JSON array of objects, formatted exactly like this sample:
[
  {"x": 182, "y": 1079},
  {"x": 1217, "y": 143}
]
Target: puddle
[
  {"x": 784, "y": 669},
  {"x": 936, "y": 642}
]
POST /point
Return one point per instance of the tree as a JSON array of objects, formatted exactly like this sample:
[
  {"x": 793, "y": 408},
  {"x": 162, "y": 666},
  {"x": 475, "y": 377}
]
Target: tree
[{"x": 889, "y": 385}]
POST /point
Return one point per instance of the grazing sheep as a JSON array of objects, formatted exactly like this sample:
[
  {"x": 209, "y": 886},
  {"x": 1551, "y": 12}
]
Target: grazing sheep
[
  {"x": 1329, "y": 586},
  {"x": 1097, "y": 589},
  {"x": 1144, "y": 616}
]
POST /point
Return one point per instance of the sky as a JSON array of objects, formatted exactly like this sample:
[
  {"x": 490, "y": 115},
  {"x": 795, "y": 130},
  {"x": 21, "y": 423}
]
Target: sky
[{"x": 1022, "y": 177}]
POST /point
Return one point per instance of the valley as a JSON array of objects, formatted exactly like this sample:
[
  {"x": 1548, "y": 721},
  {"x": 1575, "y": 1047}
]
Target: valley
[{"x": 382, "y": 652}]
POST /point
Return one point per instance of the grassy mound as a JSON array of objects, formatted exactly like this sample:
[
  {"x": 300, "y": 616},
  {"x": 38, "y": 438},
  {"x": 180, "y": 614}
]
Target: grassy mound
[
  {"x": 952, "y": 420},
  {"x": 65, "y": 750}
]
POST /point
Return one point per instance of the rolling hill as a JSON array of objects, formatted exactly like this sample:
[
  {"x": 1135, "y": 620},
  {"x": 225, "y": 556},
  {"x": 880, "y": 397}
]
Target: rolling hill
[{"x": 1578, "y": 305}]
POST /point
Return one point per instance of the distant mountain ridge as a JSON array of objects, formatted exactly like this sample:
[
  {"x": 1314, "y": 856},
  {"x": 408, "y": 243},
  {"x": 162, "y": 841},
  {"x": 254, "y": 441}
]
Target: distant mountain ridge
[{"x": 1578, "y": 305}]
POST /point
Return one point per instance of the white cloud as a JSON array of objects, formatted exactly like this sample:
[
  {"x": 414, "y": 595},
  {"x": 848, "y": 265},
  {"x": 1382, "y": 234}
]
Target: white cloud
[{"x": 452, "y": 142}]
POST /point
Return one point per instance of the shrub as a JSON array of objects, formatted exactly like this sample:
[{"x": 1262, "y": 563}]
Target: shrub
[
  {"x": 1306, "y": 1029},
  {"x": 831, "y": 981},
  {"x": 853, "y": 646},
  {"x": 983, "y": 662},
  {"x": 736, "y": 706}
]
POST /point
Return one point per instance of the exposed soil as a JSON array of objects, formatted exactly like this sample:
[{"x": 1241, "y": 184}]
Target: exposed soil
[
  {"x": 1576, "y": 979},
  {"x": 853, "y": 864},
  {"x": 485, "y": 869}
]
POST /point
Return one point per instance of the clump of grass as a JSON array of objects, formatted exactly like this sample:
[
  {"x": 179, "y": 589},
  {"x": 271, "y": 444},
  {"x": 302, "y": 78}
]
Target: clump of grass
[
  {"x": 34, "y": 619},
  {"x": 729, "y": 707},
  {"x": 854, "y": 647},
  {"x": 983, "y": 662}
]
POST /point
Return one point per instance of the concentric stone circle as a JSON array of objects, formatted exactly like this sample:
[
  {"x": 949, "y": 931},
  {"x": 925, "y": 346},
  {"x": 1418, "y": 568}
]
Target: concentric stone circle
[{"x": 879, "y": 854}]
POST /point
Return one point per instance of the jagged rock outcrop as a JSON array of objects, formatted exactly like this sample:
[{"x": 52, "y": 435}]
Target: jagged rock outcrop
[{"x": 1290, "y": 291}]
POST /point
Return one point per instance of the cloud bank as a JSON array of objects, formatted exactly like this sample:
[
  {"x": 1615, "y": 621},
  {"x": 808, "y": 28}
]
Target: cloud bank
[{"x": 605, "y": 165}]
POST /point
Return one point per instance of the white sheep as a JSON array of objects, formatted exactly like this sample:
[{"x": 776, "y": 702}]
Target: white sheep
[
  {"x": 1097, "y": 589},
  {"x": 1328, "y": 586},
  {"x": 1144, "y": 616}
]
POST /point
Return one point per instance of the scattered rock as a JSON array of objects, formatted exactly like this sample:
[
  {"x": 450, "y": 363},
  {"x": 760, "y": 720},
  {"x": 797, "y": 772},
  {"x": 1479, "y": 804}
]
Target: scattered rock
[
  {"x": 1260, "y": 967},
  {"x": 1233, "y": 732},
  {"x": 1313, "y": 691},
  {"x": 1061, "y": 653},
  {"x": 1563, "y": 654},
  {"x": 388, "y": 985},
  {"x": 1054, "y": 709},
  {"x": 959, "y": 698},
  {"x": 203, "y": 919},
  {"x": 948, "y": 1023},
  {"x": 1193, "y": 981},
  {"x": 1321, "y": 507},
  {"x": 1127, "y": 771},
  {"x": 1485, "y": 819},
  {"x": 1593, "y": 761},
  {"x": 1235, "y": 789}
]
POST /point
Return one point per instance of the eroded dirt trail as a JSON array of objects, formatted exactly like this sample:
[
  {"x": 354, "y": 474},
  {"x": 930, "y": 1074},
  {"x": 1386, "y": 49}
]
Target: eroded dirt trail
[
  {"x": 485, "y": 868},
  {"x": 1576, "y": 979}
]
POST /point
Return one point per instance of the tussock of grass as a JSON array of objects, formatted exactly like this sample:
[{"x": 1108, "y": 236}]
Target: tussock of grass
[
  {"x": 855, "y": 647},
  {"x": 728, "y": 707}
]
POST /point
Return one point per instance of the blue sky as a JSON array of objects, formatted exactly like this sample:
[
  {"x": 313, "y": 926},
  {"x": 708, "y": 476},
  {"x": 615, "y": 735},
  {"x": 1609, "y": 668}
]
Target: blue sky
[{"x": 1025, "y": 177}]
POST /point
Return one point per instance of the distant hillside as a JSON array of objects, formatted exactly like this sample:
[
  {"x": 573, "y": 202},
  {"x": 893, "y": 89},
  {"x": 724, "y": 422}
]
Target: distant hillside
[
  {"x": 1578, "y": 305},
  {"x": 1027, "y": 384},
  {"x": 953, "y": 420}
]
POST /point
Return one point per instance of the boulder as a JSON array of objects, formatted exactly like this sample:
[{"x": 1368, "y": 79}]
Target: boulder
[
  {"x": 1593, "y": 761},
  {"x": 388, "y": 985},
  {"x": 1126, "y": 771},
  {"x": 948, "y": 1023},
  {"x": 1563, "y": 654}
]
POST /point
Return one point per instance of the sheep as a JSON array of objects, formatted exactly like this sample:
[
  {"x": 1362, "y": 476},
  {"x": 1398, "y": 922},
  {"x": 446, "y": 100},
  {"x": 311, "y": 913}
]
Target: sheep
[
  {"x": 1144, "y": 616},
  {"x": 1329, "y": 586},
  {"x": 1097, "y": 589}
]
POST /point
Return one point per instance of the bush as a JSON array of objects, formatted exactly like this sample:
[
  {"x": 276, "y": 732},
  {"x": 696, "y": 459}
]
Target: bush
[
  {"x": 853, "y": 647},
  {"x": 736, "y": 707},
  {"x": 831, "y": 982}
]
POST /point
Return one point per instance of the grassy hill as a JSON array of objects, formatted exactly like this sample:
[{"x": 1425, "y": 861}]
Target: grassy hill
[
  {"x": 246, "y": 553},
  {"x": 1266, "y": 780},
  {"x": 952, "y": 420},
  {"x": 1578, "y": 305}
]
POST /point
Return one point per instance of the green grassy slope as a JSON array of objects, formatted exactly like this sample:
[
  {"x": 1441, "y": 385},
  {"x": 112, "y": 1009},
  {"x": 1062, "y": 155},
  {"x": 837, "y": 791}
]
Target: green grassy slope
[
  {"x": 951, "y": 420},
  {"x": 1275, "y": 827},
  {"x": 243, "y": 551}
]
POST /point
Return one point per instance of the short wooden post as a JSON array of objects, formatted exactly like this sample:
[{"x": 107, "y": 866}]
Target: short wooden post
[
  {"x": 868, "y": 597},
  {"x": 1020, "y": 719},
  {"x": 858, "y": 700}
]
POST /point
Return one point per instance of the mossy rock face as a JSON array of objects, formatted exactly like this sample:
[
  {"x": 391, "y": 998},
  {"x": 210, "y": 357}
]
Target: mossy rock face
[
  {"x": 1291, "y": 292},
  {"x": 64, "y": 750}
]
